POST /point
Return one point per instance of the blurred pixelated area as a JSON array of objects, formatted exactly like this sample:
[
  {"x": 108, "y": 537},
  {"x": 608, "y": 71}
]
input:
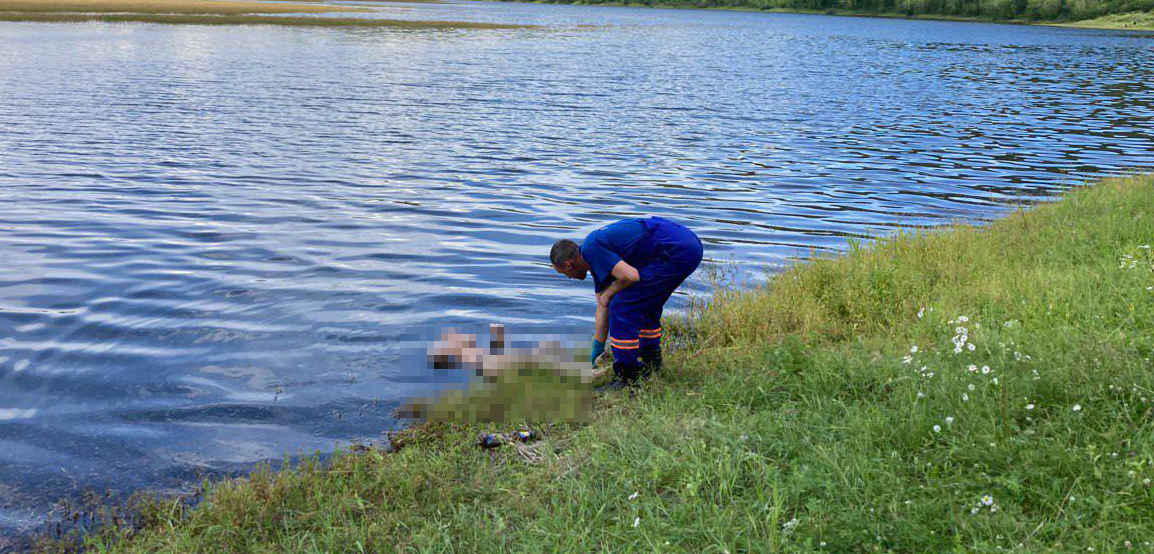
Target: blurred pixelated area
[{"x": 501, "y": 375}]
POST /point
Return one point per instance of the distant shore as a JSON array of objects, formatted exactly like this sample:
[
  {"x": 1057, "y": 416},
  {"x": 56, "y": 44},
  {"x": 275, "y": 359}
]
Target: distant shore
[
  {"x": 215, "y": 12},
  {"x": 1133, "y": 21}
]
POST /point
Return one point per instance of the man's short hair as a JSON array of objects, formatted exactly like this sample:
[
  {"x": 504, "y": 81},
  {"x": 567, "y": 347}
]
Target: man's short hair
[{"x": 563, "y": 251}]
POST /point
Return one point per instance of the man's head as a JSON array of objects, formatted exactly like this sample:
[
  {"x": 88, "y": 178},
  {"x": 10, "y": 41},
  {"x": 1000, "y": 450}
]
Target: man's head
[{"x": 567, "y": 260}]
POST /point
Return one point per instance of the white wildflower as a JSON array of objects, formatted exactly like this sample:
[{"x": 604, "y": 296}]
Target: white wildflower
[
  {"x": 963, "y": 318},
  {"x": 995, "y": 381},
  {"x": 972, "y": 368},
  {"x": 907, "y": 359},
  {"x": 921, "y": 394},
  {"x": 634, "y": 495},
  {"x": 971, "y": 346},
  {"x": 637, "y": 521},
  {"x": 973, "y": 511},
  {"x": 1029, "y": 406},
  {"x": 921, "y": 314},
  {"x": 789, "y": 525},
  {"x": 985, "y": 370},
  {"x": 937, "y": 428},
  {"x": 949, "y": 420},
  {"x": 970, "y": 386},
  {"x": 965, "y": 397},
  {"x": 1077, "y": 407},
  {"x": 914, "y": 349},
  {"x": 987, "y": 500}
]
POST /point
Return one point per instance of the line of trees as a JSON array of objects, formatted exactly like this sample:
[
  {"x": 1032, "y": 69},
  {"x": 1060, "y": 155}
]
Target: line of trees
[{"x": 996, "y": 9}]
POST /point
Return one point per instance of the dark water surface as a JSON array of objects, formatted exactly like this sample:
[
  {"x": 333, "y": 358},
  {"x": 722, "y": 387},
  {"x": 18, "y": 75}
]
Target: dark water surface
[{"x": 211, "y": 237}]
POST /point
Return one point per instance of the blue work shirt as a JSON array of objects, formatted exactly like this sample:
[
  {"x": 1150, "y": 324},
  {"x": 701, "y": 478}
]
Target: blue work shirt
[{"x": 622, "y": 240}]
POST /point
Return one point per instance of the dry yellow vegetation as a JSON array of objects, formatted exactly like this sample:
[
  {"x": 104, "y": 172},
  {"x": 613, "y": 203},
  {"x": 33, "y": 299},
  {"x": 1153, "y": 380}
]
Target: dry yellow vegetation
[
  {"x": 209, "y": 19},
  {"x": 206, "y": 7}
]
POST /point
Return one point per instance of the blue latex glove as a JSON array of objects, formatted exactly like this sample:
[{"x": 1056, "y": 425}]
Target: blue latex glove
[{"x": 598, "y": 350}]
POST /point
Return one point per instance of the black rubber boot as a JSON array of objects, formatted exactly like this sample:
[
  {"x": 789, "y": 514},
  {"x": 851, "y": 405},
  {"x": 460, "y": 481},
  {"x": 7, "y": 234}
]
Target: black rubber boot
[
  {"x": 623, "y": 376},
  {"x": 650, "y": 360}
]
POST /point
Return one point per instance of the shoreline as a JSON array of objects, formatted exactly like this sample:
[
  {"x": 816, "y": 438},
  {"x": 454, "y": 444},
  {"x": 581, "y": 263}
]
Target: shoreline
[
  {"x": 796, "y": 416},
  {"x": 1131, "y": 21},
  {"x": 282, "y": 20},
  {"x": 244, "y": 12},
  {"x": 217, "y": 12}
]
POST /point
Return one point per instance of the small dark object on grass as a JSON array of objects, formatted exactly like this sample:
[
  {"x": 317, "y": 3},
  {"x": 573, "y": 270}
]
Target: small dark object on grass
[
  {"x": 493, "y": 440},
  {"x": 490, "y": 441}
]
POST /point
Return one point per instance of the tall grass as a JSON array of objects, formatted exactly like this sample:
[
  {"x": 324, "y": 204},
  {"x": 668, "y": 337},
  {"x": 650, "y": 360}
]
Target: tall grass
[{"x": 971, "y": 390}]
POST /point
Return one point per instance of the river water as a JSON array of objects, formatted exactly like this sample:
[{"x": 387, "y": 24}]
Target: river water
[{"x": 212, "y": 238}]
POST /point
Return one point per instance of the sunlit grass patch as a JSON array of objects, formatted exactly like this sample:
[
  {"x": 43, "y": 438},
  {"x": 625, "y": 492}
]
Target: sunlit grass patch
[{"x": 1139, "y": 21}]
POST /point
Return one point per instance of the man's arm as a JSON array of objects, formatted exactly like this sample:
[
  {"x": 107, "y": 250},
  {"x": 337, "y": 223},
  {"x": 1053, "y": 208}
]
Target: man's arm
[
  {"x": 601, "y": 323},
  {"x": 624, "y": 276}
]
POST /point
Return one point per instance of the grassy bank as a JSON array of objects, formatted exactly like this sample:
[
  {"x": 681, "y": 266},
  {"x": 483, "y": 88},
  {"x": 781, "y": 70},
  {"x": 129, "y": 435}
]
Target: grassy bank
[
  {"x": 1143, "y": 21},
  {"x": 969, "y": 390},
  {"x": 1126, "y": 20},
  {"x": 212, "y": 12}
]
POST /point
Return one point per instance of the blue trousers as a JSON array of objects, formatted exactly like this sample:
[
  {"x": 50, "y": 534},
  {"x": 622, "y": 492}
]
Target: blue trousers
[{"x": 635, "y": 313}]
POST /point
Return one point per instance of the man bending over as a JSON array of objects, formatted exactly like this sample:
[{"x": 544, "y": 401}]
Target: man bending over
[{"x": 636, "y": 266}]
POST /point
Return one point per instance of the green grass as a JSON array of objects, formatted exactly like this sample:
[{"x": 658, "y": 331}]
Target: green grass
[
  {"x": 1142, "y": 21},
  {"x": 1133, "y": 20},
  {"x": 790, "y": 420}
]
